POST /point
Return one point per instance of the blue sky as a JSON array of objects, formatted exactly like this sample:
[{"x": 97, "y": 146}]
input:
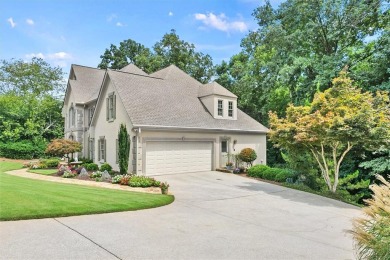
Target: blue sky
[{"x": 69, "y": 31}]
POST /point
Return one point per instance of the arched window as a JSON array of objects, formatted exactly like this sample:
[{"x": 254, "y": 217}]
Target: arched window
[{"x": 72, "y": 116}]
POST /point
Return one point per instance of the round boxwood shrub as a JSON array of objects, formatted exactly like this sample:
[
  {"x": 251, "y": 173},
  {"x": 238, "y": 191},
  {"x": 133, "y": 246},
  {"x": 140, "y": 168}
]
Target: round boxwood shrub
[
  {"x": 248, "y": 155},
  {"x": 257, "y": 171},
  {"x": 105, "y": 167},
  {"x": 91, "y": 166}
]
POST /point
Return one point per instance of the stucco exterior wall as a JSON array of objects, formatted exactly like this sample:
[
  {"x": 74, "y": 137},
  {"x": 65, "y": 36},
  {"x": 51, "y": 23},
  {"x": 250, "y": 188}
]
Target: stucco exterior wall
[
  {"x": 254, "y": 141},
  {"x": 110, "y": 129}
]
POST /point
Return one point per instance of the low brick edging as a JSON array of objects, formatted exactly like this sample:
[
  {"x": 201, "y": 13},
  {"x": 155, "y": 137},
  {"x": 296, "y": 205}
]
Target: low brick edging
[{"x": 23, "y": 173}]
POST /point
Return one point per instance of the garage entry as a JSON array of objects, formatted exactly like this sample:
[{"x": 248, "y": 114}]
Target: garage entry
[{"x": 177, "y": 157}]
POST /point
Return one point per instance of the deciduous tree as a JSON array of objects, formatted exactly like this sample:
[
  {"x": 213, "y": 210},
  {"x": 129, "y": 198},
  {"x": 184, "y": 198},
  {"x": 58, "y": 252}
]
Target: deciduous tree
[{"x": 337, "y": 120}]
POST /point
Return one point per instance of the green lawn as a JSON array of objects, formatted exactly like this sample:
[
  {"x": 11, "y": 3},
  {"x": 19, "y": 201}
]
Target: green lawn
[
  {"x": 22, "y": 198},
  {"x": 43, "y": 171}
]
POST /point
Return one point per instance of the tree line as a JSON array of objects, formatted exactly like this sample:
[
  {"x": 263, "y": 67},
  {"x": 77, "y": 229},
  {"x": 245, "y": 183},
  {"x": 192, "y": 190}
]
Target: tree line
[{"x": 294, "y": 54}]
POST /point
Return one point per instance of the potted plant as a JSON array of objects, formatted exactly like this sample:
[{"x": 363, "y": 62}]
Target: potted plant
[
  {"x": 164, "y": 187},
  {"x": 229, "y": 165}
]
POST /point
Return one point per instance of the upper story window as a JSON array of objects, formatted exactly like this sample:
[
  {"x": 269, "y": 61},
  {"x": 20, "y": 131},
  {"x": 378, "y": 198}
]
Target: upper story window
[
  {"x": 72, "y": 117},
  {"x": 90, "y": 114},
  {"x": 230, "y": 109},
  {"x": 220, "y": 107},
  {"x": 111, "y": 107}
]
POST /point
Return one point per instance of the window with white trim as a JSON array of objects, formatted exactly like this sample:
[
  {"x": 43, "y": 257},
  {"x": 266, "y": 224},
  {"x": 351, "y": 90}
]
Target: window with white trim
[
  {"x": 220, "y": 107},
  {"x": 230, "y": 109},
  {"x": 90, "y": 114},
  {"x": 111, "y": 107},
  {"x": 102, "y": 149}
]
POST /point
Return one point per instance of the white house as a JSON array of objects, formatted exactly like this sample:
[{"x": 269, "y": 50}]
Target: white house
[{"x": 176, "y": 124}]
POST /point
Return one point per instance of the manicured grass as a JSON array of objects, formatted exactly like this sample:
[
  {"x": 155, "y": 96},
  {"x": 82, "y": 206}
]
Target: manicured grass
[
  {"x": 22, "y": 198},
  {"x": 43, "y": 171}
]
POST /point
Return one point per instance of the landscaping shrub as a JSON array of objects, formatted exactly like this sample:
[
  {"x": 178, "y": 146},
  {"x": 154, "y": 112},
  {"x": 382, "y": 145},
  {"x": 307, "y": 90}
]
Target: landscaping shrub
[
  {"x": 50, "y": 163},
  {"x": 283, "y": 175},
  {"x": 22, "y": 150},
  {"x": 248, "y": 155},
  {"x": 143, "y": 181},
  {"x": 271, "y": 173},
  {"x": 96, "y": 175},
  {"x": 257, "y": 170},
  {"x": 371, "y": 232},
  {"x": 60, "y": 147},
  {"x": 105, "y": 167},
  {"x": 69, "y": 174},
  {"x": 91, "y": 167},
  {"x": 85, "y": 160}
]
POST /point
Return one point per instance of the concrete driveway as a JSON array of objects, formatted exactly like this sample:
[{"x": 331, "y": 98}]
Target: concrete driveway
[{"x": 215, "y": 216}]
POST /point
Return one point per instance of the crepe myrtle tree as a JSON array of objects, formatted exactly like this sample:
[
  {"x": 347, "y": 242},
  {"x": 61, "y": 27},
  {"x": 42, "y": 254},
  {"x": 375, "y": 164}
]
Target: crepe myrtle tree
[
  {"x": 123, "y": 149},
  {"x": 339, "y": 119}
]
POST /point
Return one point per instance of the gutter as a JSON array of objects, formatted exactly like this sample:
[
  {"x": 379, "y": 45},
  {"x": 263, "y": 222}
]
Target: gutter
[{"x": 198, "y": 129}]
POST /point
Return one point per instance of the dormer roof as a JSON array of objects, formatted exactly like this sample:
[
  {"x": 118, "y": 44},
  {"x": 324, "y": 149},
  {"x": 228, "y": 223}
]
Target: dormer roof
[{"x": 214, "y": 88}]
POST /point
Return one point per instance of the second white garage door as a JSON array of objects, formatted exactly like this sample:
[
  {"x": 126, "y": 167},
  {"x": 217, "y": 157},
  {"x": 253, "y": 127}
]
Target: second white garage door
[{"x": 177, "y": 157}]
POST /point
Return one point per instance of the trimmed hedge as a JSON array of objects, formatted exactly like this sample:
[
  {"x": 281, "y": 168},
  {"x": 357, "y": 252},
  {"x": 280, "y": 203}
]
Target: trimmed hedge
[
  {"x": 257, "y": 170},
  {"x": 50, "y": 163},
  {"x": 22, "y": 150},
  {"x": 105, "y": 167},
  {"x": 91, "y": 166}
]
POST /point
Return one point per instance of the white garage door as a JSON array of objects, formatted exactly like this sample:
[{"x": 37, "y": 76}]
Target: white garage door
[{"x": 177, "y": 157}]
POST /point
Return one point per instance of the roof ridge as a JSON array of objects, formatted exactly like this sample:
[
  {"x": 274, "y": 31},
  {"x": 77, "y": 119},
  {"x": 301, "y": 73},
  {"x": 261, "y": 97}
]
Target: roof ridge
[
  {"x": 146, "y": 76},
  {"x": 86, "y": 66}
]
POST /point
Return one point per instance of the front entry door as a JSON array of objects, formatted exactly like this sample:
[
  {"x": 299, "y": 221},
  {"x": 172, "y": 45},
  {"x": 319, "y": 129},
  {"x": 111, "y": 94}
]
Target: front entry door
[{"x": 224, "y": 153}]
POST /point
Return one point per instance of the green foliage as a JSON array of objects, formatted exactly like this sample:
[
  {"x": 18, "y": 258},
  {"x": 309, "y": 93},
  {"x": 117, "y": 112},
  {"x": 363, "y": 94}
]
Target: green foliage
[
  {"x": 271, "y": 173},
  {"x": 29, "y": 109},
  {"x": 248, "y": 155},
  {"x": 91, "y": 166},
  {"x": 372, "y": 232},
  {"x": 337, "y": 120},
  {"x": 142, "y": 181},
  {"x": 124, "y": 149},
  {"x": 50, "y": 163},
  {"x": 170, "y": 50},
  {"x": 380, "y": 164},
  {"x": 283, "y": 175},
  {"x": 61, "y": 147},
  {"x": 105, "y": 167},
  {"x": 257, "y": 171},
  {"x": 69, "y": 174},
  {"x": 22, "y": 150}
]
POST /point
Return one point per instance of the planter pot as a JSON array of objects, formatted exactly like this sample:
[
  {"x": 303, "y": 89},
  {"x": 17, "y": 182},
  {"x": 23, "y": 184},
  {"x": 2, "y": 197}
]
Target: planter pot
[{"x": 164, "y": 191}]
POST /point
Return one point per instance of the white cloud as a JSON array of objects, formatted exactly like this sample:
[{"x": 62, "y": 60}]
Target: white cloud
[
  {"x": 170, "y": 14},
  {"x": 11, "y": 22},
  {"x": 37, "y": 55},
  {"x": 119, "y": 24},
  {"x": 29, "y": 21},
  {"x": 57, "y": 58},
  {"x": 221, "y": 22}
]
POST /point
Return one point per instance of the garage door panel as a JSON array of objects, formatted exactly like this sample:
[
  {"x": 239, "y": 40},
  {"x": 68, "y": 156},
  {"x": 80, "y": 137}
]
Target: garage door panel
[{"x": 177, "y": 157}]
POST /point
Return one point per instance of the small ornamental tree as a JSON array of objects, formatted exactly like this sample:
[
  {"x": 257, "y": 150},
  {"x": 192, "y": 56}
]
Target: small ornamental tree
[
  {"x": 248, "y": 155},
  {"x": 61, "y": 147},
  {"x": 337, "y": 120},
  {"x": 123, "y": 149}
]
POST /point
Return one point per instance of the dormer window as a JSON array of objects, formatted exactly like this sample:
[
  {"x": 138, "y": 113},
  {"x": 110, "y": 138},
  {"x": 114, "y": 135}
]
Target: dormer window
[
  {"x": 230, "y": 109},
  {"x": 220, "y": 107}
]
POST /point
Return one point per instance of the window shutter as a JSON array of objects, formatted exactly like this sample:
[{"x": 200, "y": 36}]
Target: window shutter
[
  {"x": 107, "y": 107},
  {"x": 93, "y": 149},
  {"x": 99, "y": 155},
  {"x": 105, "y": 150},
  {"x": 114, "y": 107}
]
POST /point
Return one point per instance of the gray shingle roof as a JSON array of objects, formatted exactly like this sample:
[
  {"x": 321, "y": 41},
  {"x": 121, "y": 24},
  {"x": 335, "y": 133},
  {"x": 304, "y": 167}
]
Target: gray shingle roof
[
  {"x": 87, "y": 84},
  {"x": 169, "y": 98},
  {"x": 214, "y": 88},
  {"x": 131, "y": 68}
]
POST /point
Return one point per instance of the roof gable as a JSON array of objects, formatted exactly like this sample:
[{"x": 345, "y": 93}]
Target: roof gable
[
  {"x": 131, "y": 68},
  {"x": 214, "y": 88}
]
